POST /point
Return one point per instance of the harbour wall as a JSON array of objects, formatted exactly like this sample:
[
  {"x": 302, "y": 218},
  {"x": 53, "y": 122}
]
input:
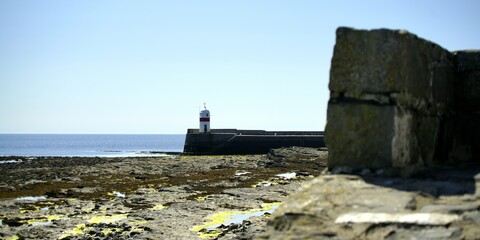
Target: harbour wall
[
  {"x": 233, "y": 141},
  {"x": 400, "y": 102}
]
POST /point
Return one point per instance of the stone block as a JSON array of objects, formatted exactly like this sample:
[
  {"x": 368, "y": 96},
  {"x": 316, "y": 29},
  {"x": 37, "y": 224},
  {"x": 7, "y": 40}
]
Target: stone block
[
  {"x": 468, "y": 91},
  {"x": 411, "y": 71},
  {"x": 468, "y": 133},
  {"x": 365, "y": 135},
  {"x": 467, "y": 105},
  {"x": 360, "y": 135},
  {"x": 391, "y": 101},
  {"x": 468, "y": 60}
]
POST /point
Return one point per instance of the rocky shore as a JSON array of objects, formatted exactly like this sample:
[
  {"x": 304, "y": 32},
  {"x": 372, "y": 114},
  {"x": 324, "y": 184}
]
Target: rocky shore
[
  {"x": 171, "y": 197},
  {"x": 286, "y": 194}
]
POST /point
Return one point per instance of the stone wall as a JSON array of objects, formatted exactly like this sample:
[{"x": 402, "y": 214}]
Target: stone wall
[
  {"x": 467, "y": 96},
  {"x": 393, "y": 104}
]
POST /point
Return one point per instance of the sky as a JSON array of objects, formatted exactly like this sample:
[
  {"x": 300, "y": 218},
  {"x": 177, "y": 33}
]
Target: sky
[{"x": 146, "y": 67}]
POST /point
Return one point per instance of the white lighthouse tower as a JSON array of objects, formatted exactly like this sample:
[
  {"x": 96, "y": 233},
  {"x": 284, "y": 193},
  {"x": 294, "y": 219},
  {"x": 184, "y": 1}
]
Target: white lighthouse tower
[{"x": 204, "y": 120}]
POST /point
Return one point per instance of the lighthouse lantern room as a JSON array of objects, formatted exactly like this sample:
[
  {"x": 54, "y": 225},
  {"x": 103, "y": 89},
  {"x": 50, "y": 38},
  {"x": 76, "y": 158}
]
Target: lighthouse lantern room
[{"x": 204, "y": 120}]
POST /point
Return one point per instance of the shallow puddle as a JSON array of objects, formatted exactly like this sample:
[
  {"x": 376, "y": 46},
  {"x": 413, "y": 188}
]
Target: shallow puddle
[
  {"x": 11, "y": 161},
  {"x": 291, "y": 175},
  {"x": 240, "y": 173},
  {"x": 211, "y": 228},
  {"x": 117, "y": 194},
  {"x": 30, "y": 198}
]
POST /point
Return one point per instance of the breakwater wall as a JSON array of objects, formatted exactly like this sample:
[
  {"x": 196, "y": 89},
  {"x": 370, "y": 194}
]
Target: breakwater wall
[
  {"x": 400, "y": 102},
  {"x": 233, "y": 141}
]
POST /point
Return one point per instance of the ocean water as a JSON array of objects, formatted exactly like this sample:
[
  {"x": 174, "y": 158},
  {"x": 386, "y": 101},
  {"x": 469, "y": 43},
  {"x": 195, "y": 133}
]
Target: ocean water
[{"x": 89, "y": 145}]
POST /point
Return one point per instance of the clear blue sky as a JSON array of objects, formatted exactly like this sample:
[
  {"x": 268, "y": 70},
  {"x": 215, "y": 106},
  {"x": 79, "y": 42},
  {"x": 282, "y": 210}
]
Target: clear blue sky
[{"x": 147, "y": 66}]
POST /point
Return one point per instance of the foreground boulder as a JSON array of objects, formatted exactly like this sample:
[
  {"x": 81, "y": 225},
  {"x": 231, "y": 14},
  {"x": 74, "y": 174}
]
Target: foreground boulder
[
  {"x": 349, "y": 207},
  {"x": 401, "y": 103},
  {"x": 391, "y": 100}
]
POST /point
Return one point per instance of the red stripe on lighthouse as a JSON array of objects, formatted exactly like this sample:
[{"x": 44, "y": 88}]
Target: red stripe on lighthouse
[{"x": 204, "y": 119}]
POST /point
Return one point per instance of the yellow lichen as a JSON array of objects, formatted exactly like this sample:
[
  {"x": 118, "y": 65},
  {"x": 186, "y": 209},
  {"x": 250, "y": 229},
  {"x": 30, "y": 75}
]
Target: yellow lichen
[
  {"x": 109, "y": 231},
  {"x": 24, "y": 210},
  {"x": 107, "y": 219},
  {"x": 269, "y": 206},
  {"x": 15, "y": 237},
  {"x": 134, "y": 229},
  {"x": 138, "y": 222},
  {"x": 42, "y": 220},
  {"x": 158, "y": 207},
  {"x": 82, "y": 228},
  {"x": 79, "y": 229},
  {"x": 153, "y": 190},
  {"x": 54, "y": 217},
  {"x": 201, "y": 198}
]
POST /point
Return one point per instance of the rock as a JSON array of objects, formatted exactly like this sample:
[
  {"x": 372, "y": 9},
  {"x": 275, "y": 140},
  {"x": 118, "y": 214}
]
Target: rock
[
  {"x": 295, "y": 156},
  {"x": 433, "y": 233},
  {"x": 313, "y": 209},
  {"x": 296, "y": 153},
  {"x": 468, "y": 60},
  {"x": 473, "y": 216},
  {"x": 397, "y": 218},
  {"x": 467, "y": 99},
  {"x": 342, "y": 170},
  {"x": 383, "y": 62},
  {"x": 390, "y": 101},
  {"x": 353, "y": 141},
  {"x": 366, "y": 172},
  {"x": 349, "y": 207},
  {"x": 458, "y": 209}
]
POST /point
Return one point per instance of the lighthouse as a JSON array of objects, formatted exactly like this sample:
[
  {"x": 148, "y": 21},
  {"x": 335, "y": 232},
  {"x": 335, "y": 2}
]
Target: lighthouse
[{"x": 204, "y": 120}]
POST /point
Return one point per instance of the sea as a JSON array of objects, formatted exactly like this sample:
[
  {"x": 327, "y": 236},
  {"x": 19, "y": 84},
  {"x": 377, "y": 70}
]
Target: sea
[{"x": 90, "y": 145}]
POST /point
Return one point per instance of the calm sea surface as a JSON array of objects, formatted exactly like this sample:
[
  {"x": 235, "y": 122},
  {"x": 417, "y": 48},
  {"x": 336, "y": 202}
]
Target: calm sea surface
[{"x": 87, "y": 145}]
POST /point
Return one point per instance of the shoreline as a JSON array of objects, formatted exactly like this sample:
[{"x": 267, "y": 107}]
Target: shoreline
[
  {"x": 109, "y": 154},
  {"x": 147, "y": 197}
]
